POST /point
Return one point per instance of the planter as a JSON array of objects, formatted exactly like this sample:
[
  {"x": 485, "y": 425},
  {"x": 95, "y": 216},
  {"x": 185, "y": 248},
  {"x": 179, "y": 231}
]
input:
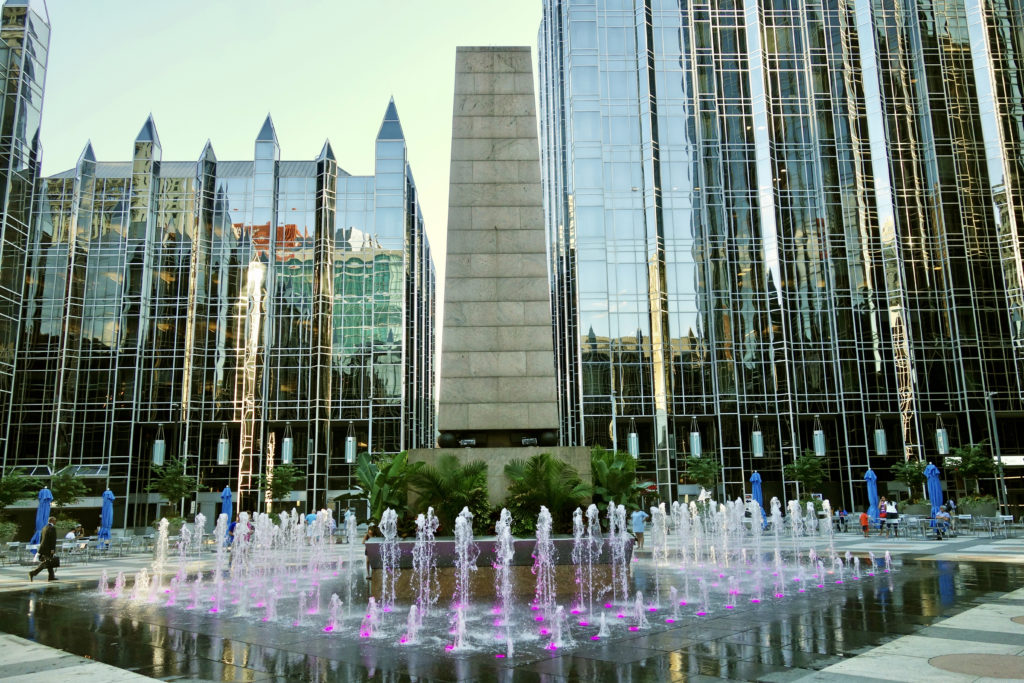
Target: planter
[
  {"x": 985, "y": 509},
  {"x": 919, "y": 509}
]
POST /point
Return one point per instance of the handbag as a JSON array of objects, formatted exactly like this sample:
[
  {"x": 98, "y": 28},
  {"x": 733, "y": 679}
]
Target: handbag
[{"x": 55, "y": 561}]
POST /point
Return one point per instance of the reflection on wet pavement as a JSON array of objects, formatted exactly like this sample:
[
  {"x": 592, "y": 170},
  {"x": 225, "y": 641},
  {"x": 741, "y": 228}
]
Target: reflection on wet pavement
[{"x": 802, "y": 632}]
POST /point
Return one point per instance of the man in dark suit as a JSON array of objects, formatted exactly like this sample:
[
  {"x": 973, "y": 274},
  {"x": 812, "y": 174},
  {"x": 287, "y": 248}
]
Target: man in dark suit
[{"x": 47, "y": 551}]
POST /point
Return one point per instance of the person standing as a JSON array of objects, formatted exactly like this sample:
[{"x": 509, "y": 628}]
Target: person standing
[
  {"x": 892, "y": 519},
  {"x": 639, "y": 518},
  {"x": 47, "y": 552}
]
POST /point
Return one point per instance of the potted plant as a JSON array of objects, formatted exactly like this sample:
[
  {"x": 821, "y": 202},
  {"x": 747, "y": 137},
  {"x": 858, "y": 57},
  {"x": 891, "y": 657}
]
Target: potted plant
[
  {"x": 614, "y": 477},
  {"x": 448, "y": 487},
  {"x": 281, "y": 481},
  {"x": 969, "y": 464},
  {"x": 14, "y": 486},
  {"x": 808, "y": 472},
  {"x": 171, "y": 482},
  {"x": 911, "y": 473},
  {"x": 543, "y": 480},
  {"x": 384, "y": 482},
  {"x": 7, "y": 531}
]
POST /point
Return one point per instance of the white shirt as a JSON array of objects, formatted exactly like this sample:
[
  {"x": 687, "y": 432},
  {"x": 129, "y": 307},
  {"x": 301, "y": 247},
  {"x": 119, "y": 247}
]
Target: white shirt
[{"x": 69, "y": 536}]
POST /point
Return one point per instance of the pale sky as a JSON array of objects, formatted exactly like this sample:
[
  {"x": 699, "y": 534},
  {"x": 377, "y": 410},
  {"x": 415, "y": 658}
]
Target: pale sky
[{"x": 215, "y": 68}]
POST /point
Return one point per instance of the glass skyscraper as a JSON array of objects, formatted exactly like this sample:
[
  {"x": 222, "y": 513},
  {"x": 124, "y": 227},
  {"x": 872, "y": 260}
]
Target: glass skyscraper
[
  {"x": 786, "y": 218},
  {"x": 191, "y": 302}
]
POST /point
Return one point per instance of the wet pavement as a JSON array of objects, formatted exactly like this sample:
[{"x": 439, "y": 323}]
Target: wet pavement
[{"x": 895, "y": 626}]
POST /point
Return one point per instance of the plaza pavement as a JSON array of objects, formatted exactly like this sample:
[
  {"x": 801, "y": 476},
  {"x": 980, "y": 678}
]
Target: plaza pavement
[{"x": 983, "y": 643}]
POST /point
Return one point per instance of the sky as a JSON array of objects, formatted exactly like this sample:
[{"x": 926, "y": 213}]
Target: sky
[{"x": 213, "y": 69}]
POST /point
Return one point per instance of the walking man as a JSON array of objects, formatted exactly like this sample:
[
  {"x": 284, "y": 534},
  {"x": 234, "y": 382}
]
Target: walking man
[{"x": 47, "y": 551}]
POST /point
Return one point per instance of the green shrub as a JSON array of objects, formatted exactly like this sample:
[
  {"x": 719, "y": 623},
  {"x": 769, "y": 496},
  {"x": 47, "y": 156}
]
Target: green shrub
[
  {"x": 543, "y": 480},
  {"x": 614, "y": 476},
  {"x": 449, "y": 487}
]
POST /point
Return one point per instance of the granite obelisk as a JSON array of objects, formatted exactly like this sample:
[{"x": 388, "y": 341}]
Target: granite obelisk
[{"x": 497, "y": 360}]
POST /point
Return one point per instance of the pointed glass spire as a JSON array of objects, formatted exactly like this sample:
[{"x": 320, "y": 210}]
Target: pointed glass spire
[
  {"x": 267, "y": 132},
  {"x": 326, "y": 153},
  {"x": 207, "y": 153},
  {"x": 148, "y": 132},
  {"x": 87, "y": 154},
  {"x": 391, "y": 127}
]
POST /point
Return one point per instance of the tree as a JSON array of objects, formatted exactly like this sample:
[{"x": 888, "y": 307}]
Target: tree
[
  {"x": 281, "y": 482},
  {"x": 15, "y": 486},
  {"x": 67, "y": 489},
  {"x": 806, "y": 471},
  {"x": 384, "y": 482},
  {"x": 449, "y": 486},
  {"x": 971, "y": 462},
  {"x": 911, "y": 473},
  {"x": 543, "y": 480},
  {"x": 614, "y": 475},
  {"x": 705, "y": 472},
  {"x": 171, "y": 482}
]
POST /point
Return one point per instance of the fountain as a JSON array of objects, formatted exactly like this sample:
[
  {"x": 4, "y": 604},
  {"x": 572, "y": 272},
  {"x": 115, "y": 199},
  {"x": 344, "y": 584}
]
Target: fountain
[{"x": 705, "y": 559}]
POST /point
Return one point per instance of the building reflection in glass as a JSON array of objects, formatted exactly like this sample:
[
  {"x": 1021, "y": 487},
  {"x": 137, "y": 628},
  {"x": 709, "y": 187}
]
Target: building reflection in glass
[
  {"x": 776, "y": 210},
  {"x": 252, "y": 294}
]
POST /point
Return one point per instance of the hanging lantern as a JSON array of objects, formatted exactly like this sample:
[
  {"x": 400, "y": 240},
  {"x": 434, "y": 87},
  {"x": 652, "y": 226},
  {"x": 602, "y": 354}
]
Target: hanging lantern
[
  {"x": 818, "y": 438},
  {"x": 881, "y": 445},
  {"x": 350, "y": 445},
  {"x": 757, "y": 440},
  {"x": 159, "y": 447},
  {"x": 223, "y": 446},
  {"x": 633, "y": 440},
  {"x": 695, "y": 445},
  {"x": 287, "y": 446},
  {"x": 941, "y": 437}
]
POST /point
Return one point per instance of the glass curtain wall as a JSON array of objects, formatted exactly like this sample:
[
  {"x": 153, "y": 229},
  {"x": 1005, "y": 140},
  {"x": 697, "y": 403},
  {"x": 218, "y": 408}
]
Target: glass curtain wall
[
  {"x": 785, "y": 215},
  {"x": 246, "y": 300}
]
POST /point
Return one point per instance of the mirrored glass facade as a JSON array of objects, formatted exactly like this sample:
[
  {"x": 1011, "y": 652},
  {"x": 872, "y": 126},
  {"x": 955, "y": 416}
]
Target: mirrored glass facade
[
  {"x": 786, "y": 214},
  {"x": 249, "y": 300},
  {"x": 24, "y": 42}
]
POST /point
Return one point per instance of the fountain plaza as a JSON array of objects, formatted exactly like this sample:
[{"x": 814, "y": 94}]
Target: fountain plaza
[{"x": 717, "y": 593}]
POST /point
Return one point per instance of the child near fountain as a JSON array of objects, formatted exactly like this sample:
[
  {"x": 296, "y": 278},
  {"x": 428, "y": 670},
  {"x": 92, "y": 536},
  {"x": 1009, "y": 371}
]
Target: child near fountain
[
  {"x": 865, "y": 521},
  {"x": 639, "y": 517}
]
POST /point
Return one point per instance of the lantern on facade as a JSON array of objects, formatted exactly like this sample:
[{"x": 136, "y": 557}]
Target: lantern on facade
[
  {"x": 633, "y": 440},
  {"x": 350, "y": 444},
  {"x": 695, "y": 445},
  {"x": 223, "y": 446},
  {"x": 881, "y": 445},
  {"x": 757, "y": 440},
  {"x": 159, "y": 447},
  {"x": 941, "y": 437},
  {"x": 818, "y": 438},
  {"x": 287, "y": 446}
]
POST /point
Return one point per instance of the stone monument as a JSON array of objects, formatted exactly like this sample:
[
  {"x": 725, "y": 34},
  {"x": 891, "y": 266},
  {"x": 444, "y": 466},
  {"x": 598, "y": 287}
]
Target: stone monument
[{"x": 498, "y": 397}]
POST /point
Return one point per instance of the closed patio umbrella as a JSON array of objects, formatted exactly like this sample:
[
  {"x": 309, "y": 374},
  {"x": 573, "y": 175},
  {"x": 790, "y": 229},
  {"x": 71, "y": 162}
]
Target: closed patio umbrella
[
  {"x": 106, "y": 515},
  {"x": 42, "y": 513},
  {"x": 934, "y": 487},
  {"x": 872, "y": 479},
  {"x": 225, "y": 502}
]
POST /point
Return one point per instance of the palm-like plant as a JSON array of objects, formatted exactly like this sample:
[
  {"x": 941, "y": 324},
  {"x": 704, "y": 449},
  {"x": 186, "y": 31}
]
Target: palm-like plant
[
  {"x": 543, "y": 480},
  {"x": 450, "y": 486},
  {"x": 384, "y": 483},
  {"x": 614, "y": 475}
]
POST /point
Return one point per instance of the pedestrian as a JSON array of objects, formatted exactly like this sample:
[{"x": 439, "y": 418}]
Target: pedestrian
[
  {"x": 639, "y": 518},
  {"x": 47, "y": 552},
  {"x": 892, "y": 519},
  {"x": 865, "y": 523},
  {"x": 881, "y": 516}
]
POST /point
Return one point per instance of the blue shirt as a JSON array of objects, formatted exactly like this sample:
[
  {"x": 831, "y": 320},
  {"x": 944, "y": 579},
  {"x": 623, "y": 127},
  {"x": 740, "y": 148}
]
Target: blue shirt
[{"x": 639, "y": 517}]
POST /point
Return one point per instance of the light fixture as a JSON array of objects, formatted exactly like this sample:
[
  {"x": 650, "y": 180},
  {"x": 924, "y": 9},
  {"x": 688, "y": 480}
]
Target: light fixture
[
  {"x": 695, "y": 449},
  {"x": 350, "y": 444},
  {"x": 223, "y": 446},
  {"x": 633, "y": 440},
  {"x": 529, "y": 441},
  {"x": 881, "y": 445},
  {"x": 287, "y": 445},
  {"x": 757, "y": 440},
  {"x": 818, "y": 438},
  {"x": 159, "y": 447},
  {"x": 941, "y": 437},
  {"x": 467, "y": 443}
]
